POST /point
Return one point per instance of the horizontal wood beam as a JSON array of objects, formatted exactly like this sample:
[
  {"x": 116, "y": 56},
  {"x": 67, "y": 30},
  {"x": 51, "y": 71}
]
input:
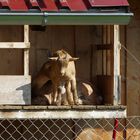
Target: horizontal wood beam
[
  {"x": 14, "y": 45},
  {"x": 61, "y": 112}
]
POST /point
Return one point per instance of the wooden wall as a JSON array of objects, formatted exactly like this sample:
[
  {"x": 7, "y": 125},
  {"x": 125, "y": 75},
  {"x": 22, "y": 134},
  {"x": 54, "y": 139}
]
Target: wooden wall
[
  {"x": 133, "y": 68},
  {"x": 11, "y": 60},
  {"x": 78, "y": 41}
]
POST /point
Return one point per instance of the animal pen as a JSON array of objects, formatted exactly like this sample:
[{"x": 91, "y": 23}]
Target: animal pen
[{"x": 94, "y": 31}]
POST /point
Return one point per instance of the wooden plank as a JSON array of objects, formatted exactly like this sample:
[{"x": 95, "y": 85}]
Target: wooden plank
[
  {"x": 108, "y": 52},
  {"x": 26, "y": 51},
  {"x": 105, "y": 87},
  {"x": 116, "y": 81},
  {"x": 62, "y": 114},
  {"x": 133, "y": 67},
  {"x": 10, "y": 107},
  {"x": 11, "y": 62},
  {"x": 104, "y": 66},
  {"x": 74, "y": 107},
  {"x": 14, "y": 97},
  {"x": 133, "y": 73},
  {"x": 14, "y": 45},
  {"x": 99, "y": 63},
  {"x": 11, "y": 59},
  {"x": 15, "y": 90},
  {"x": 26, "y": 62},
  {"x": 123, "y": 65},
  {"x": 26, "y": 33},
  {"x": 104, "y": 46},
  {"x": 63, "y": 38},
  {"x": 84, "y": 38},
  {"x": 95, "y": 67}
]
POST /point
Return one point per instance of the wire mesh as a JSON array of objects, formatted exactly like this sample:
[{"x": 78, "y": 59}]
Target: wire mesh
[{"x": 70, "y": 129}]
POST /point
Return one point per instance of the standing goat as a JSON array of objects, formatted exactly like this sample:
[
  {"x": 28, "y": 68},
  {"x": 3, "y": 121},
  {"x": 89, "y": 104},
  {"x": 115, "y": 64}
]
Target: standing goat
[{"x": 60, "y": 69}]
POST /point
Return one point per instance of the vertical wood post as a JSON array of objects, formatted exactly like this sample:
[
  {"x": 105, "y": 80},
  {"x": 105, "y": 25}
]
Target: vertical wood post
[
  {"x": 104, "y": 51},
  {"x": 26, "y": 51},
  {"x": 108, "y": 55},
  {"x": 116, "y": 75}
]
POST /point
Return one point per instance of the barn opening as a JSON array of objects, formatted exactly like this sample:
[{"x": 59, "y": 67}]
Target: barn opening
[
  {"x": 89, "y": 34},
  {"x": 89, "y": 30}
]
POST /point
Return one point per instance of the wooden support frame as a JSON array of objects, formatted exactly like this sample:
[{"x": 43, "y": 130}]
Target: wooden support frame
[
  {"x": 14, "y": 45},
  {"x": 16, "y": 89},
  {"x": 62, "y": 112},
  {"x": 116, "y": 67},
  {"x": 20, "y": 45},
  {"x": 26, "y": 51}
]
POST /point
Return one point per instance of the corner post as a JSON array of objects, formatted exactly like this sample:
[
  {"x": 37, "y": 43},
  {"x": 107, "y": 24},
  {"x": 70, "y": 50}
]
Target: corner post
[{"x": 116, "y": 73}]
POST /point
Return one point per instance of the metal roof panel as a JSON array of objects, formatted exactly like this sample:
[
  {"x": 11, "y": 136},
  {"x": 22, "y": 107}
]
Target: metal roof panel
[
  {"x": 56, "y": 5},
  {"x": 100, "y": 3}
]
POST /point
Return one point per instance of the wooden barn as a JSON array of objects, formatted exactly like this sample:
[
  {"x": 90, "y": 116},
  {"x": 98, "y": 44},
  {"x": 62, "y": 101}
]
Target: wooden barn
[{"x": 102, "y": 34}]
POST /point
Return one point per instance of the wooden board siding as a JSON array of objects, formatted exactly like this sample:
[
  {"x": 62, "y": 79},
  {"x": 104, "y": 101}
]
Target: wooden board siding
[
  {"x": 15, "y": 90},
  {"x": 133, "y": 70},
  {"x": 76, "y": 40},
  {"x": 79, "y": 41},
  {"x": 11, "y": 60}
]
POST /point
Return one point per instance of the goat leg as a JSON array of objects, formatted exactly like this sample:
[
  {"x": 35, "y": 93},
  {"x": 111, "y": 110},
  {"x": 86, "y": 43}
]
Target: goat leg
[
  {"x": 68, "y": 93},
  {"x": 74, "y": 91},
  {"x": 54, "y": 96}
]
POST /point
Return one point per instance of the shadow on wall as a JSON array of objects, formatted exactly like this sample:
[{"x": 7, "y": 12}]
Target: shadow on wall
[{"x": 26, "y": 93}]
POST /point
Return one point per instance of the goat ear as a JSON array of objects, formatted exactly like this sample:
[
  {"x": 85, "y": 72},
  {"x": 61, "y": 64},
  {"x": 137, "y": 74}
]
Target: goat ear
[
  {"x": 53, "y": 58},
  {"x": 73, "y": 59}
]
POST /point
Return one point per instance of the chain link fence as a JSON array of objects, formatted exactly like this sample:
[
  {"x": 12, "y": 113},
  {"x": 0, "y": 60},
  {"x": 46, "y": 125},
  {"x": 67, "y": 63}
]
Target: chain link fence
[{"x": 70, "y": 129}]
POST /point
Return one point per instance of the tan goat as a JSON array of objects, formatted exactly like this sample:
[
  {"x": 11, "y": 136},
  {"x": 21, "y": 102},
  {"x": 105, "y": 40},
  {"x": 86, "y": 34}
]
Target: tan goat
[{"x": 60, "y": 69}]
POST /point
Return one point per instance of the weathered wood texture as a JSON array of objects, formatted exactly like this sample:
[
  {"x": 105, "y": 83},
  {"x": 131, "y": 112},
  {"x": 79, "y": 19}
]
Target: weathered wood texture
[
  {"x": 78, "y": 41},
  {"x": 15, "y": 90},
  {"x": 116, "y": 65},
  {"x": 133, "y": 70},
  {"x": 14, "y": 45},
  {"x": 26, "y": 50},
  {"x": 62, "y": 112},
  {"x": 11, "y": 60}
]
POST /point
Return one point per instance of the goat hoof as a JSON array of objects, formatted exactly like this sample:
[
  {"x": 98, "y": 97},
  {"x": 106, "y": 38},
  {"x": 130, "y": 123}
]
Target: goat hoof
[
  {"x": 65, "y": 103},
  {"x": 58, "y": 103},
  {"x": 77, "y": 102},
  {"x": 71, "y": 103},
  {"x": 54, "y": 103}
]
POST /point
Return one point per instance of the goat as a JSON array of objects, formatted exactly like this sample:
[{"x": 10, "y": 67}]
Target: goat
[
  {"x": 63, "y": 76},
  {"x": 60, "y": 69}
]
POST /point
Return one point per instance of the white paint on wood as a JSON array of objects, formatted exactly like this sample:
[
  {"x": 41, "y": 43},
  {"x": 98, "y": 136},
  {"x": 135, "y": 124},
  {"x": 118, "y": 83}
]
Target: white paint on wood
[
  {"x": 116, "y": 91},
  {"x": 26, "y": 51},
  {"x": 15, "y": 90},
  {"x": 62, "y": 114},
  {"x": 26, "y": 62},
  {"x": 26, "y": 33},
  {"x": 14, "y": 97},
  {"x": 14, "y": 45}
]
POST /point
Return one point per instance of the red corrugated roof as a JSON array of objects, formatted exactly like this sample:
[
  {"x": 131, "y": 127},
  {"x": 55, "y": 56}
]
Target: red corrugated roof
[{"x": 56, "y": 5}]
